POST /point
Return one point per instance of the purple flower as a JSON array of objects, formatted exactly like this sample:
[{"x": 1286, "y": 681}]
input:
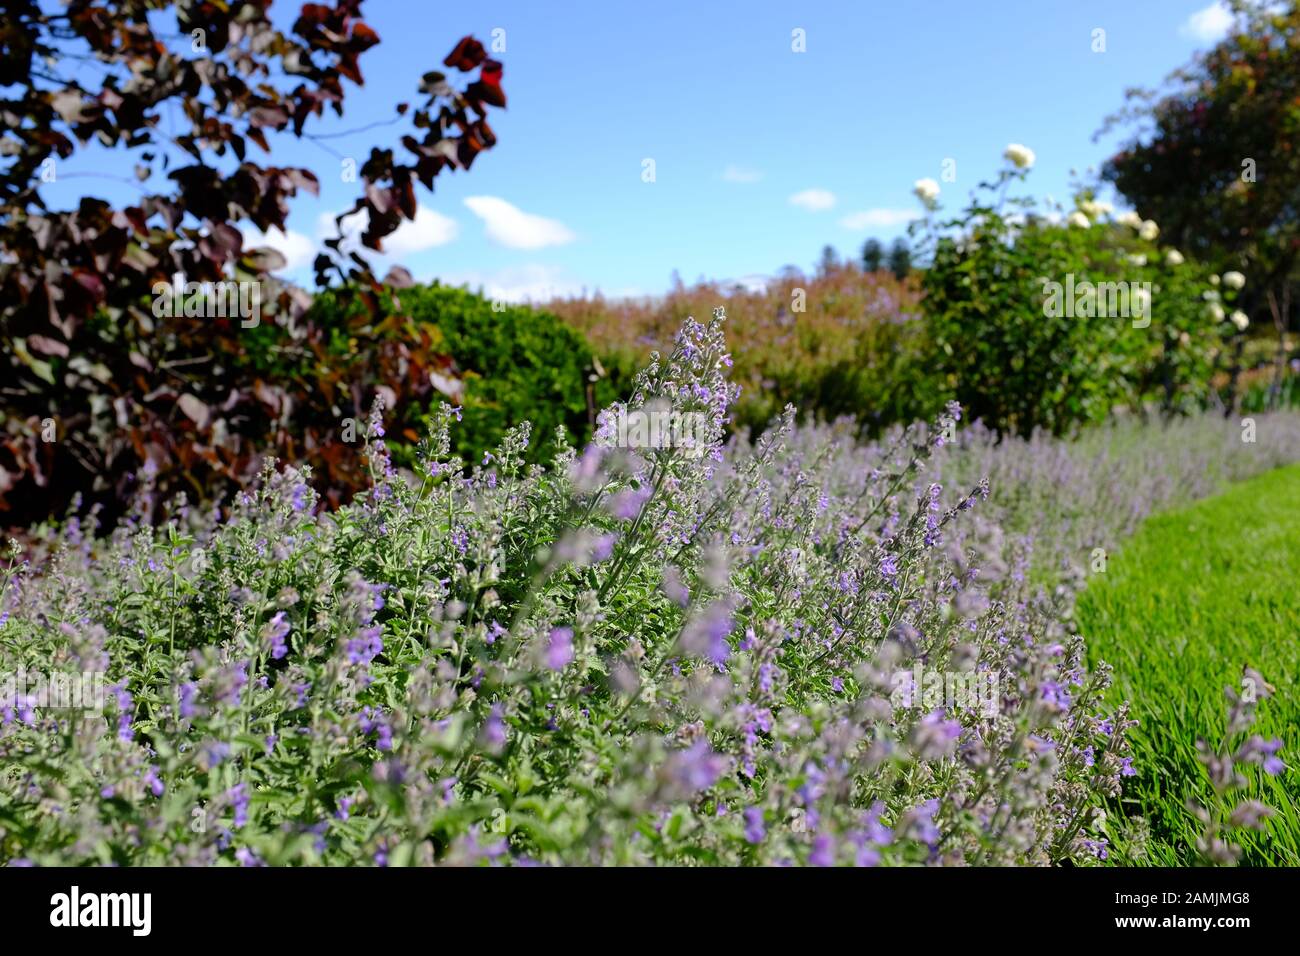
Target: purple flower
[
  {"x": 823, "y": 851},
  {"x": 933, "y": 510},
  {"x": 1264, "y": 752},
  {"x": 1097, "y": 848},
  {"x": 239, "y": 800},
  {"x": 867, "y": 855},
  {"x": 934, "y": 737},
  {"x": 125, "y": 703},
  {"x": 754, "y": 829},
  {"x": 872, "y": 829},
  {"x": 189, "y": 693},
  {"x": 273, "y": 634},
  {"x": 559, "y": 648},
  {"x": 494, "y": 730},
  {"x": 1055, "y": 696},
  {"x": 603, "y": 547},
  {"x": 25, "y": 708},
  {"x": 214, "y": 752},
  {"x": 373, "y": 722},
  {"x": 706, "y": 635},
  {"x": 695, "y": 768},
  {"x": 366, "y": 647},
  {"x": 153, "y": 782},
  {"x": 676, "y": 591},
  {"x": 234, "y": 678},
  {"x": 918, "y": 823},
  {"x": 1250, "y": 813}
]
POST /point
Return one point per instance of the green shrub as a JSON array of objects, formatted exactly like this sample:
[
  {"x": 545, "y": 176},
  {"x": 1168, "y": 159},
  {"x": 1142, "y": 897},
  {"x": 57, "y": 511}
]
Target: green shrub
[
  {"x": 1011, "y": 325},
  {"x": 520, "y": 364},
  {"x": 511, "y": 364}
]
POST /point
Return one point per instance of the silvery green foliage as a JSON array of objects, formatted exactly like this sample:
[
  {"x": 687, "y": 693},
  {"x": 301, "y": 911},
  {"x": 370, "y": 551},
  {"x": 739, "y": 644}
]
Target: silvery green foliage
[
  {"x": 674, "y": 655},
  {"x": 1055, "y": 502},
  {"x": 1224, "y": 766}
]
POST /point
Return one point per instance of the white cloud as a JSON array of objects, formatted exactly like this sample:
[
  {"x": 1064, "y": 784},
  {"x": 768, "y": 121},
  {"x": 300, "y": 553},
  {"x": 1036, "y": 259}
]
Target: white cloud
[
  {"x": 741, "y": 174},
  {"x": 531, "y": 282},
  {"x": 427, "y": 230},
  {"x": 352, "y": 227},
  {"x": 297, "y": 249},
  {"x": 878, "y": 218},
  {"x": 510, "y": 226},
  {"x": 814, "y": 200},
  {"x": 1208, "y": 25}
]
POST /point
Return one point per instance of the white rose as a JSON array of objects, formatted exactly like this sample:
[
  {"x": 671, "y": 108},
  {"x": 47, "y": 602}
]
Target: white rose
[
  {"x": 927, "y": 190},
  {"x": 1216, "y": 312},
  {"x": 1022, "y": 157},
  {"x": 1174, "y": 258},
  {"x": 1095, "y": 210},
  {"x": 1210, "y": 295},
  {"x": 1214, "y": 280},
  {"x": 1240, "y": 320},
  {"x": 1138, "y": 259},
  {"x": 1234, "y": 279},
  {"x": 1149, "y": 230},
  {"x": 1129, "y": 219},
  {"x": 1078, "y": 220}
]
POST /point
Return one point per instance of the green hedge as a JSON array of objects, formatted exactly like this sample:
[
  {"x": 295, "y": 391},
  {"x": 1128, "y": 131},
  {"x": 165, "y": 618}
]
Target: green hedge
[{"x": 516, "y": 364}]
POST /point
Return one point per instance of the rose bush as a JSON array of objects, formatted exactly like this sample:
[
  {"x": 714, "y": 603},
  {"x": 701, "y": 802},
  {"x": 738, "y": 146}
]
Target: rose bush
[{"x": 1027, "y": 333}]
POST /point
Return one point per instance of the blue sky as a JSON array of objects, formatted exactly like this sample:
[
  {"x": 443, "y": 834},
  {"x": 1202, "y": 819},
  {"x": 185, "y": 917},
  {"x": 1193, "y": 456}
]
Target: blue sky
[{"x": 736, "y": 122}]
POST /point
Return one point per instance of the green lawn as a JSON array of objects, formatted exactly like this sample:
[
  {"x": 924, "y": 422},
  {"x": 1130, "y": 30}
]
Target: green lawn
[{"x": 1192, "y": 597}]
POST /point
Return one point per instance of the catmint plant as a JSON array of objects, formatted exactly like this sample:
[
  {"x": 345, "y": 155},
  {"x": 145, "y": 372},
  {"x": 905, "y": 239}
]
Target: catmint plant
[{"x": 707, "y": 651}]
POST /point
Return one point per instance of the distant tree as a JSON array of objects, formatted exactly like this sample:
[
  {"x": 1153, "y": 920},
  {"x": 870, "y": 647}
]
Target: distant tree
[
  {"x": 873, "y": 255},
  {"x": 86, "y": 359},
  {"x": 829, "y": 261},
  {"x": 900, "y": 258},
  {"x": 1215, "y": 161}
]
